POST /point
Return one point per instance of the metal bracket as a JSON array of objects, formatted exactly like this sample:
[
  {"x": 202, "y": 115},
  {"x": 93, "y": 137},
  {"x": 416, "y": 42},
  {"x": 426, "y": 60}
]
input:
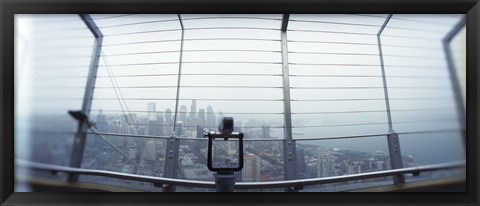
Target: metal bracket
[
  {"x": 171, "y": 161},
  {"x": 289, "y": 158},
  {"x": 395, "y": 156}
]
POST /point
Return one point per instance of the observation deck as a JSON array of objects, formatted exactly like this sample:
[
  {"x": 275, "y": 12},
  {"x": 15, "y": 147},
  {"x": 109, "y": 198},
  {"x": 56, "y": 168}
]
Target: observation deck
[{"x": 330, "y": 102}]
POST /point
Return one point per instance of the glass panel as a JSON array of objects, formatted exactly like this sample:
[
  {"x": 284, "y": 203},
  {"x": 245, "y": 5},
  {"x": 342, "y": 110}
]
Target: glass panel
[
  {"x": 192, "y": 161},
  {"x": 227, "y": 22},
  {"x": 231, "y": 56},
  {"x": 368, "y": 19},
  {"x": 420, "y": 150},
  {"x": 327, "y": 158},
  {"x": 231, "y": 78},
  {"x": 262, "y": 161},
  {"x": 125, "y": 154},
  {"x": 231, "y": 34},
  {"x": 225, "y": 153},
  {"x": 413, "y": 91},
  {"x": 251, "y": 117},
  {"x": 417, "y": 149},
  {"x": 269, "y": 16},
  {"x": 136, "y": 85},
  {"x": 148, "y": 25},
  {"x": 118, "y": 19},
  {"x": 52, "y": 58}
]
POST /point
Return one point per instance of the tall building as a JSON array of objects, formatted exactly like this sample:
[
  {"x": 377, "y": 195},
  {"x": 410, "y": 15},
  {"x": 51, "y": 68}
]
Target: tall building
[
  {"x": 168, "y": 115},
  {"x": 354, "y": 168},
  {"x": 159, "y": 125},
  {"x": 168, "y": 122},
  {"x": 151, "y": 111},
  {"x": 301, "y": 165},
  {"x": 193, "y": 109},
  {"x": 129, "y": 123},
  {"x": 179, "y": 129},
  {"x": 151, "y": 149},
  {"x": 266, "y": 131},
  {"x": 251, "y": 168},
  {"x": 210, "y": 118},
  {"x": 325, "y": 165},
  {"x": 201, "y": 117},
  {"x": 102, "y": 124},
  {"x": 152, "y": 127},
  {"x": 200, "y": 132},
  {"x": 183, "y": 113},
  {"x": 220, "y": 117}
]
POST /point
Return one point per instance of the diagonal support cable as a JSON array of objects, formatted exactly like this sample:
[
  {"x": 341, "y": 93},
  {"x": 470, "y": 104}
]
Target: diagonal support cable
[{"x": 121, "y": 98}]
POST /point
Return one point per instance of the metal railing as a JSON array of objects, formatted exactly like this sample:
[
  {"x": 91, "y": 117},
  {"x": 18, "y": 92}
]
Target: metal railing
[
  {"x": 289, "y": 143},
  {"x": 297, "y": 184}
]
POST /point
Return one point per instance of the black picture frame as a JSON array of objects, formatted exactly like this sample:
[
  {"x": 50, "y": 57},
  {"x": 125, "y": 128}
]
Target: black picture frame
[{"x": 8, "y": 8}]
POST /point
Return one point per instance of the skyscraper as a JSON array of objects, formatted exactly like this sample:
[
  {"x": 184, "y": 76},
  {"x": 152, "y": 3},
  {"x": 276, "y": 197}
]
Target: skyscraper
[
  {"x": 151, "y": 148},
  {"x": 179, "y": 129},
  {"x": 183, "y": 113},
  {"x": 220, "y": 117},
  {"x": 168, "y": 122},
  {"x": 325, "y": 165},
  {"x": 301, "y": 165},
  {"x": 193, "y": 109},
  {"x": 201, "y": 117},
  {"x": 266, "y": 131},
  {"x": 159, "y": 124},
  {"x": 152, "y": 127},
  {"x": 210, "y": 118},
  {"x": 354, "y": 168},
  {"x": 102, "y": 124},
  {"x": 151, "y": 111},
  {"x": 200, "y": 132},
  {"x": 251, "y": 168}
]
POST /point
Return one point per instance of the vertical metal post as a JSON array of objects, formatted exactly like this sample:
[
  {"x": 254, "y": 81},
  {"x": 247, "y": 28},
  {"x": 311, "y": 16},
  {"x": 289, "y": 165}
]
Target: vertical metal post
[
  {"x": 385, "y": 87},
  {"x": 393, "y": 141},
  {"x": 288, "y": 143},
  {"x": 457, "y": 91},
  {"x": 179, "y": 73},
  {"x": 173, "y": 145},
  {"x": 81, "y": 135},
  {"x": 171, "y": 162}
]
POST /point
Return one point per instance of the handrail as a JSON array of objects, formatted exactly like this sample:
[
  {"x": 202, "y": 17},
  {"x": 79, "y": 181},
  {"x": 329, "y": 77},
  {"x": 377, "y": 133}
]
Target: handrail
[{"x": 241, "y": 185}]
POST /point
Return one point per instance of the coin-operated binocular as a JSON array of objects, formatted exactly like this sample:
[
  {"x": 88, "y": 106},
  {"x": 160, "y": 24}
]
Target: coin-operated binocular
[{"x": 225, "y": 154}]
